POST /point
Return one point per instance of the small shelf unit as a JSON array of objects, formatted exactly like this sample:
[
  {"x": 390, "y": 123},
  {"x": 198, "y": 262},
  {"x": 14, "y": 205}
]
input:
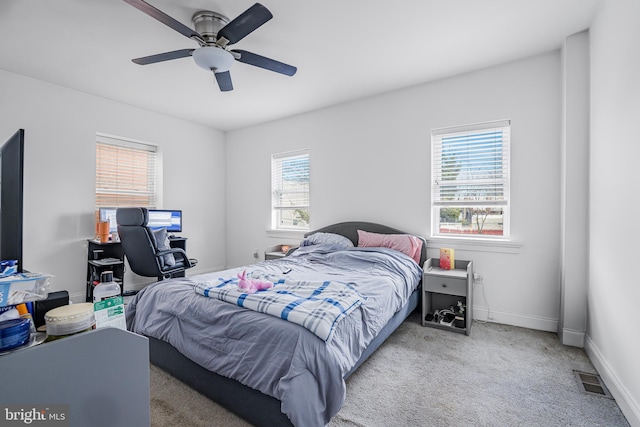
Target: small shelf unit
[
  {"x": 103, "y": 256},
  {"x": 443, "y": 289}
]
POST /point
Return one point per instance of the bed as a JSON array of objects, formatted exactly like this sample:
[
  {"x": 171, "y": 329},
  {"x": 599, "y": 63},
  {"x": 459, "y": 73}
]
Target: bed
[{"x": 274, "y": 372}]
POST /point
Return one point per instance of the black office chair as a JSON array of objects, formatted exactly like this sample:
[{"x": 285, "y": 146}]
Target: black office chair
[{"x": 148, "y": 251}]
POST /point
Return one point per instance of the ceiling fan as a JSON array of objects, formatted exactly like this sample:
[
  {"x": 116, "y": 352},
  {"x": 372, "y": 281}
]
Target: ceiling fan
[{"x": 215, "y": 33}]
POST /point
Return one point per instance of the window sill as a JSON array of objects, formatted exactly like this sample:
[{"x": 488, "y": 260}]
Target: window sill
[
  {"x": 287, "y": 234},
  {"x": 480, "y": 245}
]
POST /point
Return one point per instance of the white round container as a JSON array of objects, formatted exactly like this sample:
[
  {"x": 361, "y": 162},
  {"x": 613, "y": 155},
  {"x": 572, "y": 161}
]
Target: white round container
[{"x": 69, "y": 319}]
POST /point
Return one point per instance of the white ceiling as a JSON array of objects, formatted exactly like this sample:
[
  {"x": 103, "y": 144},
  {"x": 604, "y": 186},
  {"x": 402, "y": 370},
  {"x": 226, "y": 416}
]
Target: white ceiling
[{"x": 344, "y": 49}]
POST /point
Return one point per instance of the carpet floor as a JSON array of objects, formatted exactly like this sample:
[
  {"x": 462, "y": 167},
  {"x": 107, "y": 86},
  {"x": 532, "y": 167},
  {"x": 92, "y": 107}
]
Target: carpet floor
[{"x": 498, "y": 376}]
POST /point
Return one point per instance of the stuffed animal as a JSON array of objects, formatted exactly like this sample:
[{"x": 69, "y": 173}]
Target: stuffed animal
[{"x": 251, "y": 286}]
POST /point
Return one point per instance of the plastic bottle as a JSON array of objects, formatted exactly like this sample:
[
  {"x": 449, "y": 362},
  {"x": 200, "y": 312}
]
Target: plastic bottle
[
  {"x": 107, "y": 288},
  {"x": 108, "y": 304}
]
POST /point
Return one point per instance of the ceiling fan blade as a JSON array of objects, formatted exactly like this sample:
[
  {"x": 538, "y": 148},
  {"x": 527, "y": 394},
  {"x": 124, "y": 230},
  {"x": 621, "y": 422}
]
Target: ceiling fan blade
[
  {"x": 224, "y": 81},
  {"x": 166, "y": 19},
  {"x": 152, "y": 59},
  {"x": 264, "y": 62},
  {"x": 244, "y": 24}
]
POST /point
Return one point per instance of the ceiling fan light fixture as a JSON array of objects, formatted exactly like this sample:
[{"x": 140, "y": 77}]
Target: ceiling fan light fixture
[
  {"x": 213, "y": 58},
  {"x": 214, "y": 33}
]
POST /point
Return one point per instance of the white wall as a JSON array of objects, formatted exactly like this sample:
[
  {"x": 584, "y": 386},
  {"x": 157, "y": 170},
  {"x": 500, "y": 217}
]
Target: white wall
[
  {"x": 370, "y": 160},
  {"x": 59, "y": 184},
  {"x": 613, "y": 339}
]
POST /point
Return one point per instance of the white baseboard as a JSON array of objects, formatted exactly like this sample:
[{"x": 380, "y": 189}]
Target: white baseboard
[
  {"x": 530, "y": 322},
  {"x": 628, "y": 405},
  {"x": 571, "y": 337}
]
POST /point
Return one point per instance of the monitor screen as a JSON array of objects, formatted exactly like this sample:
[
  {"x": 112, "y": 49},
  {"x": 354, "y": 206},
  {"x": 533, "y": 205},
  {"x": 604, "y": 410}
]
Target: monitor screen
[
  {"x": 161, "y": 218},
  {"x": 109, "y": 215}
]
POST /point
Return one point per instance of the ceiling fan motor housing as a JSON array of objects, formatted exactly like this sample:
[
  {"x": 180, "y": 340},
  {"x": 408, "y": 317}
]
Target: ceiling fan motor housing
[{"x": 208, "y": 23}]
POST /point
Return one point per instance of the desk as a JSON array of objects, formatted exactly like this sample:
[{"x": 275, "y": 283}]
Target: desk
[
  {"x": 98, "y": 251},
  {"x": 178, "y": 242}
]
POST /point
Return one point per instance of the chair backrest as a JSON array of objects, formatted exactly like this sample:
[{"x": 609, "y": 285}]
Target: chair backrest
[{"x": 137, "y": 241}]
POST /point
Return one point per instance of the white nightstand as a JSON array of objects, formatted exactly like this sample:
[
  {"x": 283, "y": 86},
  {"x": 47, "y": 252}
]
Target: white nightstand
[
  {"x": 444, "y": 288},
  {"x": 277, "y": 251}
]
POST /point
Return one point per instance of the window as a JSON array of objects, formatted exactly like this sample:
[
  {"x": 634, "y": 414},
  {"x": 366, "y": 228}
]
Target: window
[
  {"x": 470, "y": 180},
  {"x": 125, "y": 173},
  {"x": 290, "y": 190}
]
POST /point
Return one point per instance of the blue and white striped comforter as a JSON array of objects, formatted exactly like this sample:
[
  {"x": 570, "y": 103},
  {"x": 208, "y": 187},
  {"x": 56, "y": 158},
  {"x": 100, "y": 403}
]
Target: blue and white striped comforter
[{"x": 317, "y": 306}]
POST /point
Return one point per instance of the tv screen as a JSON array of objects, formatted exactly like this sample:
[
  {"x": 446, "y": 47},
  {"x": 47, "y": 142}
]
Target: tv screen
[
  {"x": 162, "y": 218},
  {"x": 11, "y": 187}
]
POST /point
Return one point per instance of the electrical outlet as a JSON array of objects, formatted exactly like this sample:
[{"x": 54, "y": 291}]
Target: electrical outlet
[
  {"x": 255, "y": 254},
  {"x": 477, "y": 276}
]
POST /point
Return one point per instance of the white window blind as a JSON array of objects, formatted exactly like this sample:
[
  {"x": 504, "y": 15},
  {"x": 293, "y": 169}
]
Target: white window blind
[
  {"x": 125, "y": 173},
  {"x": 470, "y": 172},
  {"x": 290, "y": 190}
]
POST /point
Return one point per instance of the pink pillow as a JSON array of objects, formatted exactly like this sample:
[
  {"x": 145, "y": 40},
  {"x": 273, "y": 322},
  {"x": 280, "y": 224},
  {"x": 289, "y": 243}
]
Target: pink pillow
[{"x": 405, "y": 243}]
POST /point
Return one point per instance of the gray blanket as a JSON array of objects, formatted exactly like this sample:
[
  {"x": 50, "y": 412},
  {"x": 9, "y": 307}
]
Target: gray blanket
[{"x": 280, "y": 358}]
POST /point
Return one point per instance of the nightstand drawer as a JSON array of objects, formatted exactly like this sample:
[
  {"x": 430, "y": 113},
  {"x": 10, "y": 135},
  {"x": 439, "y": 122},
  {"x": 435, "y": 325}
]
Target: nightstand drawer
[{"x": 445, "y": 285}]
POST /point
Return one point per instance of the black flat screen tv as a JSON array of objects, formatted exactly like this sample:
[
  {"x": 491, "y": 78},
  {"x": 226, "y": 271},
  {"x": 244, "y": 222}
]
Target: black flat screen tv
[{"x": 11, "y": 186}]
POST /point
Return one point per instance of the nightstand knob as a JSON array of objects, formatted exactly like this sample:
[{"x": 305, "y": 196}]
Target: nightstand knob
[{"x": 444, "y": 285}]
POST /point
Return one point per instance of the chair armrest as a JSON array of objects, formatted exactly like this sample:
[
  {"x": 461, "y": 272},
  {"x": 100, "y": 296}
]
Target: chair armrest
[{"x": 176, "y": 251}]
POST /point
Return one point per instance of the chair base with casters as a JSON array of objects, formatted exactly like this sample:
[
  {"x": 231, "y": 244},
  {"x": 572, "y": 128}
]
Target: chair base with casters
[{"x": 148, "y": 251}]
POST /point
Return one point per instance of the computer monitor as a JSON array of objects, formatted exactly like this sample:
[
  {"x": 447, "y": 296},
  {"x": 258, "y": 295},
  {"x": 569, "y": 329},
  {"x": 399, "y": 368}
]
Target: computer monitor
[
  {"x": 158, "y": 218},
  {"x": 163, "y": 218},
  {"x": 109, "y": 215}
]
